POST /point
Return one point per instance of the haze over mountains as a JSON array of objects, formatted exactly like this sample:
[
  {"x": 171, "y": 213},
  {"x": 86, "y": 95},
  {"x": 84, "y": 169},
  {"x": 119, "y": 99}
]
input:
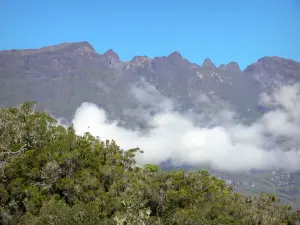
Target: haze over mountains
[{"x": 175, "y": 110}]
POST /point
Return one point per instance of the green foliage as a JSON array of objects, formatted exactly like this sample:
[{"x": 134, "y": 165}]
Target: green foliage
[
  {"x": 52, "y": 176},
  {"x": 151, "y": 167}
]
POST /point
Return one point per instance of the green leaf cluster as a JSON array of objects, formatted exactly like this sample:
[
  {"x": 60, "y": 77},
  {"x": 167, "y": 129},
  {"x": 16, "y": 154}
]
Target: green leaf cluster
[{"x": 50, "y": 175}]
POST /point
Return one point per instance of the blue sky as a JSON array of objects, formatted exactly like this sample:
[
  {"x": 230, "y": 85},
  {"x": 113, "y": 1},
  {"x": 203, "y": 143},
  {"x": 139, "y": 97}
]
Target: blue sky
[{"x": 222, "y": 30}]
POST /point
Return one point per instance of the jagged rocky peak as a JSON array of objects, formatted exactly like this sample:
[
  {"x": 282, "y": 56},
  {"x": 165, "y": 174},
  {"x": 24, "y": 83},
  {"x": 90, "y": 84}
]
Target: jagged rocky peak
[
  {"x": 275, "y": 61},
  {"x": 112, "y": 55},
  {"x": 140, "y": 59},
  {"x": 253, "y": 68},
  {"x": 233, "y": 65},
  {"x": 270, "y": 63},
  {"x": 230, "y": 66},
  {"x": 208, "y": 63},
  {"x": 175, "y": 56},
  {"x": 270, "y": 59}
]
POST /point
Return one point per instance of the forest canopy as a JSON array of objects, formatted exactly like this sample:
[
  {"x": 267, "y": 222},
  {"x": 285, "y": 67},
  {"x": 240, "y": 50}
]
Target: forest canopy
[{"x": 50, "y": 175}]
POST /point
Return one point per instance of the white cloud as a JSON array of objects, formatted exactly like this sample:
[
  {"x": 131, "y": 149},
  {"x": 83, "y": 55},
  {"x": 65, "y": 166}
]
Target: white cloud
[{"x": 228, "y": 145}]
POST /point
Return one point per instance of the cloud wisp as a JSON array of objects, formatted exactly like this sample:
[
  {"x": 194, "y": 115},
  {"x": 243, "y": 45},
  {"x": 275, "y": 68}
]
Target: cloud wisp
[{"x": 271, "y": 142}]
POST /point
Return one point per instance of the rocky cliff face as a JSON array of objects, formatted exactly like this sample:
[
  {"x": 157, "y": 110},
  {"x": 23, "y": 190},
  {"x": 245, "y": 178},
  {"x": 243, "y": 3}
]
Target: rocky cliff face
[
  {"x": 60, "y": 77},
  {"x": 274, "y": 71}
]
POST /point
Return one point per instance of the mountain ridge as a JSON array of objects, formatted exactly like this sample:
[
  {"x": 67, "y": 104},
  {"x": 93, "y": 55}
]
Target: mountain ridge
[
  {"x": 79, "y": 68},
  {"x": 86, "y": 47}
]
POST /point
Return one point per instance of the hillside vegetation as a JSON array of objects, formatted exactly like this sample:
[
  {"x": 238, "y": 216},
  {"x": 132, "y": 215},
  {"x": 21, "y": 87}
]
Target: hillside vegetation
[{"x": 50, "y": 175}]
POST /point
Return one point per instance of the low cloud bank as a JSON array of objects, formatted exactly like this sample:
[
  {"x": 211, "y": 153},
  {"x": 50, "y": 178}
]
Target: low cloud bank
[{"x": 272, "y": 142}]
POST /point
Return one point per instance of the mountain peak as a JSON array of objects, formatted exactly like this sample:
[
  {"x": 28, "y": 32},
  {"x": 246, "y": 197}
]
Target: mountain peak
[
  {"x": 272, "y": 63},
  {"x": 83, "y": 46},
  {"x": 112, "y": 55},
  {"x": 80, "y": 47},
  {"x": 276, "y": 60},
  {"x": 208, "y": 63},
  {"x": 231, "y": 66},
  {"x": 175, "y": 56},
  {"x": 139, "y": 59}
]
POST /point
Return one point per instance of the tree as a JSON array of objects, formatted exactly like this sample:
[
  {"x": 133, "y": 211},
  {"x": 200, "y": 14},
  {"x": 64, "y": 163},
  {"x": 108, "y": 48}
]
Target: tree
[{"x": 53, "y": 176}]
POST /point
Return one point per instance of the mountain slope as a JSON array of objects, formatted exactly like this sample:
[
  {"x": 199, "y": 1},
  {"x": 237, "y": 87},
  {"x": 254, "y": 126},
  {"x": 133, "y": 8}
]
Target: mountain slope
[
  {"x": 70, "y": 73},
  {"x": 60, "y": 77}
]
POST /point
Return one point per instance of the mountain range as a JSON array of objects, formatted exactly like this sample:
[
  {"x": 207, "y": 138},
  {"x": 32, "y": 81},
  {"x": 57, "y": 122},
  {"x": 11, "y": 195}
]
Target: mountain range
[{"x": 61, "y": 77}]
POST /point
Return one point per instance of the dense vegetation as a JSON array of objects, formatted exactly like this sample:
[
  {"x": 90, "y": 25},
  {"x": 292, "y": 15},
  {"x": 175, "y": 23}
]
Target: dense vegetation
[{"x": 50, "y": 175}]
